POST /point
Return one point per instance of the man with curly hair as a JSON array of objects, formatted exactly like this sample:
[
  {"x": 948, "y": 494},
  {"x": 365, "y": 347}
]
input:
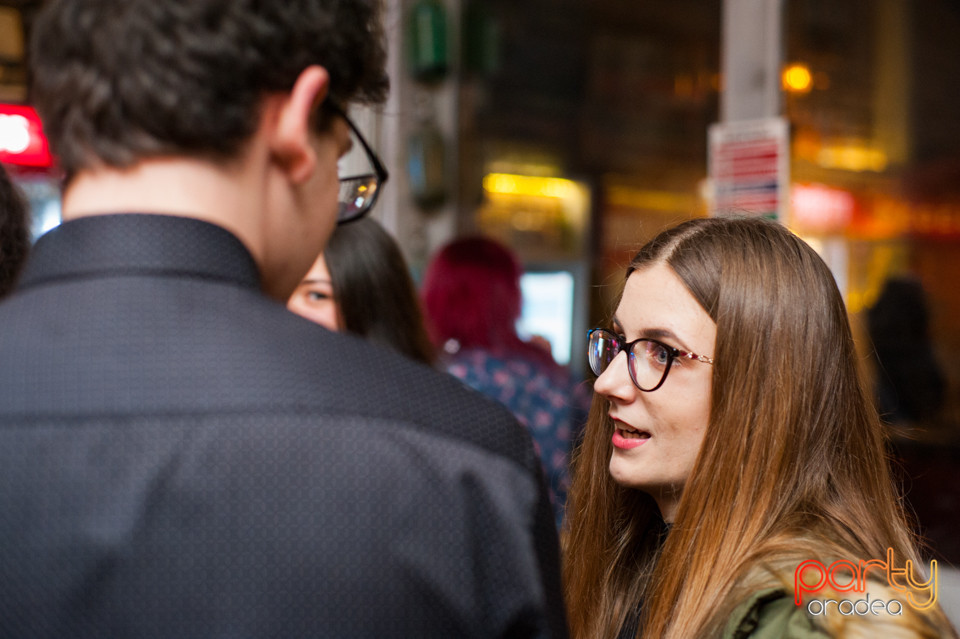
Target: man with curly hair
[{"x": 180, "y": 456}]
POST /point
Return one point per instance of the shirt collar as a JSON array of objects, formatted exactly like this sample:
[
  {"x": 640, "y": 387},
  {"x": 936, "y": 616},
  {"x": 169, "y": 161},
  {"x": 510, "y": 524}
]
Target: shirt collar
[{"x": 139, "y": 244}]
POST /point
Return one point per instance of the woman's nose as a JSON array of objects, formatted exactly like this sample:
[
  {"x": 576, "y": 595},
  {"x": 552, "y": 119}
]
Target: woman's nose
[{"x": 615, "y": 380}]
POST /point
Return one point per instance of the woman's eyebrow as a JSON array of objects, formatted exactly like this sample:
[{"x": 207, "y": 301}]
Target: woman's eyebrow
[
  {"x": 660, "y": 333},
  {"x": 665, "y": 334},
  {"x": 653, "y": 333}
]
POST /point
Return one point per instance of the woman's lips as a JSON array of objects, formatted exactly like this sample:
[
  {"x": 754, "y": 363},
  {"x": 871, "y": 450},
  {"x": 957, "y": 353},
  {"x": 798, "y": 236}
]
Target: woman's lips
[{"x": 626, "y": 439}]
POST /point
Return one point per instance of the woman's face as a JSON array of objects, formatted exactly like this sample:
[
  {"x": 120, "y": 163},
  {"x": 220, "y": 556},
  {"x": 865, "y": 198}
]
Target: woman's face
[
  {"x": 313, "y": 298},
  {"x": 657, "y": 434}
]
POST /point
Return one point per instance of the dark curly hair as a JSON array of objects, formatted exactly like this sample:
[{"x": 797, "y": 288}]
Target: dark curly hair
[
  {"x": 14, "y": 232},
  {"x": 116, "y": 81}
]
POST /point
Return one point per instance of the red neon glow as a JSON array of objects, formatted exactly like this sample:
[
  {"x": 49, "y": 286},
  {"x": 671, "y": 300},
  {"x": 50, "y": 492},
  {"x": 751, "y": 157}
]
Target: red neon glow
[
  {"x": 21, "y": 137},
  {"x": 821, "y": 208}
]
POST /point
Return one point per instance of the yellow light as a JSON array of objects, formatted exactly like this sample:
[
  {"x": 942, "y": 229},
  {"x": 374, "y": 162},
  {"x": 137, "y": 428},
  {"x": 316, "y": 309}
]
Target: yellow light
[
  {"x": 852, "y": 157},
  {"x": 507, "y": 184},
  {"x": 797, "y": 78}
]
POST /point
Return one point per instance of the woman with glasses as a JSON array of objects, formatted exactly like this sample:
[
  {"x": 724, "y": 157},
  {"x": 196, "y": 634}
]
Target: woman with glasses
[
  {"x": 361, "y": 284},
  {"x": 731, "y": 441}
]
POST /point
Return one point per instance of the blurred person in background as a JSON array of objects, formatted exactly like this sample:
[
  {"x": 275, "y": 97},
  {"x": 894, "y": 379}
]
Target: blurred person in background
[
  {"x": 181, "y": 456},
  {"x": 361, "y": 284},
  {"x": 471, "y": 293},
  {"x": 910, "y": 386},
  {"x": 733, "y": 454},
  {"x": 14, "y": 232},
  {"x": 911, "y": 392}
]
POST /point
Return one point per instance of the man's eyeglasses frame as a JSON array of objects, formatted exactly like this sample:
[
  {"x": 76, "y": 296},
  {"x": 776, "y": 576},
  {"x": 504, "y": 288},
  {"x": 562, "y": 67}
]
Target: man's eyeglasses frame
[{"x": 357, "y": 184}]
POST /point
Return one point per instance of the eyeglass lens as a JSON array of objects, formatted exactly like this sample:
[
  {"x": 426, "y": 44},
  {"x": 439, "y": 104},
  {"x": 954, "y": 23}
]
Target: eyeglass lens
[
  {"x": 647, "y": 363},
  {"x": 601, "y": 350},
  {"x": 357, "y": 195}
]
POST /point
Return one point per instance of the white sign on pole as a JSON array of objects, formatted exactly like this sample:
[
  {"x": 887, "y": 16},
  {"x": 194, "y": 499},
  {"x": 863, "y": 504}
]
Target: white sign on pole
[{"x": 749, "y": 168}]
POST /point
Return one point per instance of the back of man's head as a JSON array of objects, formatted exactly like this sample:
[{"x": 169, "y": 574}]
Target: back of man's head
[{"x": 117, "y": 81}]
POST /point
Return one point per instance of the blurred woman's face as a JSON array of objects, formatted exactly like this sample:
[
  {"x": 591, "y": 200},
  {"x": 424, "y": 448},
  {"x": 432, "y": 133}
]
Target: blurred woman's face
[
  {"x": 657, "y": 435},
  {"x": 313, "y": 298}
]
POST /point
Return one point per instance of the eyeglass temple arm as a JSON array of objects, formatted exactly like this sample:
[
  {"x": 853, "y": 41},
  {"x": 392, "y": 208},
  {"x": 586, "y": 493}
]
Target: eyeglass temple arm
[
  {"x": 378, "y": 167},
  {"x": 699, "y": 358}
]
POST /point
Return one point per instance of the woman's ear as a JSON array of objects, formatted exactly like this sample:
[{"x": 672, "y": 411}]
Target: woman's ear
[{"x": 290, "y": 140}]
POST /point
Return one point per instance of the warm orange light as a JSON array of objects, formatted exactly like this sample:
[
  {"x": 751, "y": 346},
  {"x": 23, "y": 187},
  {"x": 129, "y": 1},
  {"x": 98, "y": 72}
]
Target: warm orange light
[
  {"x": 797, "y": 78},
  {"x": 852, "y": 157}
]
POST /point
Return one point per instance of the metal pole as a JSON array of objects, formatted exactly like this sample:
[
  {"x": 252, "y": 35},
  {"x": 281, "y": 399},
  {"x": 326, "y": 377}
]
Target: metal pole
[{"x": 752, "y": 55}]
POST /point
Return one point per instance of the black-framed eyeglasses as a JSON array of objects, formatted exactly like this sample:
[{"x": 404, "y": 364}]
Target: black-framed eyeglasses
[
  {"x": 648, "y": 360},
  {"x": 358, "y": 192}
]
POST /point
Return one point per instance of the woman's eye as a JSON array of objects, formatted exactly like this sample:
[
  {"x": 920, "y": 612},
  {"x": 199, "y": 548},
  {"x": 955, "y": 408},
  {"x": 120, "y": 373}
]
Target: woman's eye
[
  {"x": 658, "y": 353},
  {"x": 316, "y": 296}
]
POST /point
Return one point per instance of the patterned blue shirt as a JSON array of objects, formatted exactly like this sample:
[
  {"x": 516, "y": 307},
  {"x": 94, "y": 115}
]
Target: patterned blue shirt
[{"x": 546, "y": 399}]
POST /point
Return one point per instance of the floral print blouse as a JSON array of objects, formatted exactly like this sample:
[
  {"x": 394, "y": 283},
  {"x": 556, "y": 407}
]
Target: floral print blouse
[{"x": 547, "y": 400}]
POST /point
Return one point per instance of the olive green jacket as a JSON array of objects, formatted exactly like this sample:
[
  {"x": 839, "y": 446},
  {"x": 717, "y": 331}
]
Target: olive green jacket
[{"x": 772, "y": 614}]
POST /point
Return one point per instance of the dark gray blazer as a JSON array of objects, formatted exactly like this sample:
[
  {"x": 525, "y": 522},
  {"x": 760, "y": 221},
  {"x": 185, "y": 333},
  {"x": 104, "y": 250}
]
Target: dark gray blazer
[{"x": 182, "y": 457}]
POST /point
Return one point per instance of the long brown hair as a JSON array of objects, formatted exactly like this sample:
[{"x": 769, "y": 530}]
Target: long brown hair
[{"x": 793, "y": 465}]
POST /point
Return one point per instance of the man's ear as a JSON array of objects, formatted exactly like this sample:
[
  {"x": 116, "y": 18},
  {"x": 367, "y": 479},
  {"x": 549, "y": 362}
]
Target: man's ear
[{"x": 290, "y": 141}]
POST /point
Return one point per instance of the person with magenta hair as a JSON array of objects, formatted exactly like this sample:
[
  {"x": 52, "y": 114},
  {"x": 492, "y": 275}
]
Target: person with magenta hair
[
  {"x": 733, "y": 481},
  {"x": 471, "y": 294},
  {"x": 361, "y": 285}
]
